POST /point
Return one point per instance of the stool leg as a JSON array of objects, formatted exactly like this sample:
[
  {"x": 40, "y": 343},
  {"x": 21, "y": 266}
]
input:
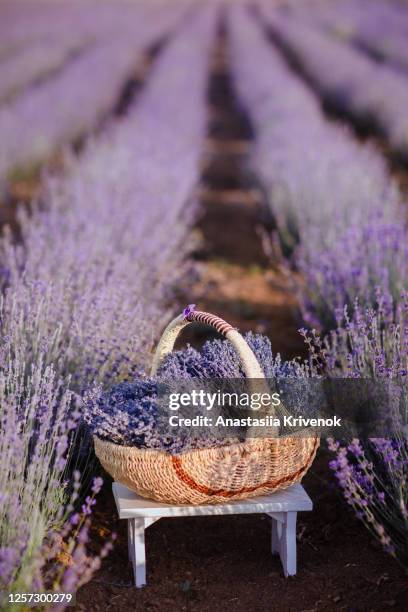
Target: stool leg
[
  {"x": 288, "y": 544},
  {"x": 276, "y": 536},
  {"x": 138, "y": 551},
  {"x": 130, "y": 540}
]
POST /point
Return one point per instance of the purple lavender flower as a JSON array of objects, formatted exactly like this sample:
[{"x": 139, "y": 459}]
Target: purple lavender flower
[
  {"x": 9, "y": 562},
  {"x": 361, "y": 259},
  {"x": 36, "y": 421},
  {"x": 188, "y": 310}
]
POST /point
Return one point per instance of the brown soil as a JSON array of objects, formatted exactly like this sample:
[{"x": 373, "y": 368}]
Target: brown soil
[
  {"x": 216, "y": 564},
  {"x": 234, "y": 277},
  {"x": 252, "y": 299},
  {"x": 224, "y": 563}
]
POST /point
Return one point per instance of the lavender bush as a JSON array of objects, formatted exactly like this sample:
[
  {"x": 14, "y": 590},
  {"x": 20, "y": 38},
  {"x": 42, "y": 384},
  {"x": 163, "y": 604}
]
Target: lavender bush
[
  {"x": 36, "y": 62},
  {"x": 353, "y": 82},
  {"x": 72, "y": 103},
  {"x": 320, "y": 183},
  {"x": 22, "y": 24},
  {"x": 372, "y": 474},
  {"x": 360, "y": 259},
  {"x": 37, "y": 419},
  {"x": 377, "y": 27}
]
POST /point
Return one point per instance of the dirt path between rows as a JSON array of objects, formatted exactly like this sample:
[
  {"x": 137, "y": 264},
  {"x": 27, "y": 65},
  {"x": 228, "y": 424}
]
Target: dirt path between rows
[
  {"x": 235, "y": 279},
  {"x": 215, "y": 564}
]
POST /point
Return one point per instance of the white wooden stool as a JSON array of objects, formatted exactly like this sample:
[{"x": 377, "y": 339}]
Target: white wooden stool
[{"x": 282, "y": 506}]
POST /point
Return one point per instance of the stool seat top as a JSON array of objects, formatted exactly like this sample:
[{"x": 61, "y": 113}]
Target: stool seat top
[{"x": 131, "y": 505}]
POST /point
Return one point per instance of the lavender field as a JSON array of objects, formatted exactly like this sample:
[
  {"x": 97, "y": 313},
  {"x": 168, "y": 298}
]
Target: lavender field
[{"x": 250, "y": 158}]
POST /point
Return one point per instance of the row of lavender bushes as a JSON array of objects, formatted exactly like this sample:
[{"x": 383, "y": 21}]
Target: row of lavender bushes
[
  {"x": 70, "y": 104},
  {"x": 22, "y": 23},
  {"x": 36, "y": 53},
  {"x": 36, "y": 62},
  {"x": 375, "y": 26},
  {"x": 373, "y": 93},
  {"x": 325, "y": 189},
  {"x": 84, "y": 294},
  {"x": 340, "y": 219}
]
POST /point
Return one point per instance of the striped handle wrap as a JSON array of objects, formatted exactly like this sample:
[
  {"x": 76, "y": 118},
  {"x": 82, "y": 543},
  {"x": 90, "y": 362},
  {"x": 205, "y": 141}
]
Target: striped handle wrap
[
  {"x": 248, "y": 359},
  {"x": 250, "y": 365},
  {"x": 207, "y": 318}
]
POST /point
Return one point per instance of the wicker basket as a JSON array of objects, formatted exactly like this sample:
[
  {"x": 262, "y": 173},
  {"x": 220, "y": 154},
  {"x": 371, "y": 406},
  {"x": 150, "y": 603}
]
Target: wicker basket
[{"x": 213, "y": 475}]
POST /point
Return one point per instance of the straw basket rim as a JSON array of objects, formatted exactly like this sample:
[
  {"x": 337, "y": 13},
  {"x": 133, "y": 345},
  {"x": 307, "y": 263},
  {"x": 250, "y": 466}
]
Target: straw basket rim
[{"x": 213, "y": 452}]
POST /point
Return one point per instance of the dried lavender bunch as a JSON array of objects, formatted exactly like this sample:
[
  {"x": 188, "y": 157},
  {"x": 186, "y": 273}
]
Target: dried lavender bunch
[
  {"x": 219, "y": 359},
  {"x": 128, "y": 414},
  {"x": 372, "y": 474}
]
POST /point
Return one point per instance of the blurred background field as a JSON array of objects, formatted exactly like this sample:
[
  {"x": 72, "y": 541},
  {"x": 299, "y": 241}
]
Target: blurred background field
[{"x": 252, "y": 158}]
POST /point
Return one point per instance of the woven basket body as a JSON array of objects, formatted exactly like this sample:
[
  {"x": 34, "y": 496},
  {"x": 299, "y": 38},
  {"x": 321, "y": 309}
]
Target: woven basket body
[{"x": 209, "y": 476}]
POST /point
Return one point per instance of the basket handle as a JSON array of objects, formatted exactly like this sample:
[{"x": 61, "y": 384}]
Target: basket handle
[
  {"x": 249, "y": 362},
  {"x": 166, "y": 343}
]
